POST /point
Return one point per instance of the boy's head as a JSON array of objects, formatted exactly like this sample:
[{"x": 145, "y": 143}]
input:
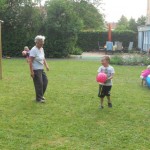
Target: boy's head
[
  {"x": 105, "y": 61},
  {"x": 26, "y": 48},
  {"x": 148, "y": 67}
]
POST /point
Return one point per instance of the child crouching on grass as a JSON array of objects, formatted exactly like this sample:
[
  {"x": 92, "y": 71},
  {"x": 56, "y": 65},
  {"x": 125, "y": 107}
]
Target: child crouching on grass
[
  {"x": 144, "y": 74},
  {"x": 105, "y": 88}
]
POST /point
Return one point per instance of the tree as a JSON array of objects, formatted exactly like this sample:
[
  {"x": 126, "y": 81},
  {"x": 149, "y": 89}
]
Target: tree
[
  {"x": 59, "y": 20},
  {"x": 123, "y": 24},
  {"x": 132, "y": 25},
  {"x": 63, "y": 25},
  {"x": 141, "y": 21},
  {"x": 95, "y": 3},
  {"x": 24, "y": 21},
  {"x": 92, "y": 18},
  {"x": 38, "y": 2}
]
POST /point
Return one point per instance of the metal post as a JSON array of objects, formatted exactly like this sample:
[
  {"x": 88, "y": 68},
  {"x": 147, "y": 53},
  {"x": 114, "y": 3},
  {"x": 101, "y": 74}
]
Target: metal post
[{"x": 1, "y": 49}]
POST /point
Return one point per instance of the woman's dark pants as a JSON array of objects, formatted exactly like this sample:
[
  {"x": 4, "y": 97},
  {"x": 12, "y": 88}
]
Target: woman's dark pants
[{"x": 40, "y": 83}]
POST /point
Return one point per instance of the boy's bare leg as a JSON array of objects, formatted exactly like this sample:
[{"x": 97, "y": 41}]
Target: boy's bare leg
[
  {"x": 101, "y": 102},
  {"x": 108, "y": 98},
  {"x": 109, "y": 101}
]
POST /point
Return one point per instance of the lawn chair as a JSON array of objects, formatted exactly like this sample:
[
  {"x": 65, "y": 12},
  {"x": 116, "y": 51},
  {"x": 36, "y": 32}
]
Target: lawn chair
[
  {"x": 130, "y": 46},
  {"x": 101, "y": 49},
  {"x": 119, "y": 46},
  {"x": 109, "y": 47}
]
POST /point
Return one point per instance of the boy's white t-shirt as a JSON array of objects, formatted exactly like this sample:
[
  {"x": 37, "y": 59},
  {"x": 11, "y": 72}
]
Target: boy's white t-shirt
[
  {"x": 39, "y": 56},
  {"x": 109, "y": 71}
]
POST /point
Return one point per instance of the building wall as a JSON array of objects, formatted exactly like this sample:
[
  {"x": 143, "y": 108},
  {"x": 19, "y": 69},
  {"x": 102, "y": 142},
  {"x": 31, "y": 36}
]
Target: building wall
[
  {"x": 144, "y": 39},
  {"x": 148, "y": 13}
]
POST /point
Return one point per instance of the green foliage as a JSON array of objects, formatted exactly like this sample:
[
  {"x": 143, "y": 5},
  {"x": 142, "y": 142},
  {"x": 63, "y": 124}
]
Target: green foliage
[
  {"x": 132, "y": 59},
  {"x": 62, "y": 26},
  {"x": 116, "y": 60},
  {"x": 77, "y": 51},
  {"x": 88, "y": 41},
  {"x": 92, "y": 18},
  {"x": 146, "y": 60},
  {"x": 70, "y": 118},
  {"x": 132, "y": 25},
  {"x": 125, "y": 37},
  {"x": 141, "y": 21},
  {"x": 24, "y": 22},
  {"x": 60, "y": 21},
  {"x": 122, "y": 24}
]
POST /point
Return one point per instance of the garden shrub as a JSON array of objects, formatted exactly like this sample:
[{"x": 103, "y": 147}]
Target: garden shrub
[
  {"x": 130, "y": 60},
  {"x": 116, "y": 60},
  {"x": 88, "y": 41}
]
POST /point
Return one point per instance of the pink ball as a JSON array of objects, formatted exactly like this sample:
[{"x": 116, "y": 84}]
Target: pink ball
[
  {"x": 24, "y": 53},
  {"x": 101, "y": 77}
]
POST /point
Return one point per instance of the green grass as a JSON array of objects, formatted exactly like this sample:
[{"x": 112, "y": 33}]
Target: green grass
[{"x": 71, "y": 120}]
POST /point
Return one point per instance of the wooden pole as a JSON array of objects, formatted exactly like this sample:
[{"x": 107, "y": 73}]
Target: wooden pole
[
  {"x": 1, "y": 49},
  {"x": 109, "y": 33}
]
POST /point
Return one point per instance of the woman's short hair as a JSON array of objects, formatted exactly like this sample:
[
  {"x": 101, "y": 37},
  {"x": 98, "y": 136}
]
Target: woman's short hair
[{"x": 39, "y": 37}]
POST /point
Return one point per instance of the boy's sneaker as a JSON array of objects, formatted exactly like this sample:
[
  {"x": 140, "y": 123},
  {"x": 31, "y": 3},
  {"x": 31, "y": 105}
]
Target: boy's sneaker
[
  {"x": 101, "y": 107},
  {"x": 110, "y": 105}
]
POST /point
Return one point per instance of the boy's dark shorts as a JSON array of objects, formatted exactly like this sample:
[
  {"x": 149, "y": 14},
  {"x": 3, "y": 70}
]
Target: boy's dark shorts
[{"x": 104, "y": 91}]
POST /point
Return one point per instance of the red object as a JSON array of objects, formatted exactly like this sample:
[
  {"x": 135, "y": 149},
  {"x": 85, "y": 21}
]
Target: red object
[
  {"x": 101, "y": 77},
  {"x": 109, "y": 33}
]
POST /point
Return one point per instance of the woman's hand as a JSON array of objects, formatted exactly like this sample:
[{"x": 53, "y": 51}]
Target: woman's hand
[
  {"x": 32, "y": 74},
  {"x": 47, "y": 68},
  {"x": 46, "y": 65}
]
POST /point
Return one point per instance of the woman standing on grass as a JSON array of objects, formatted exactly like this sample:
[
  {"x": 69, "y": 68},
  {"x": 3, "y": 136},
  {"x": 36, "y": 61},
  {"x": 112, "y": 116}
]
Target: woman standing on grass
[{"x": 37, "y": 63}]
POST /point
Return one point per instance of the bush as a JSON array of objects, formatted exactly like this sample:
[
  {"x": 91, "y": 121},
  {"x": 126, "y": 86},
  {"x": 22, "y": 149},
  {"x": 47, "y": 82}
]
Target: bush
[
  {"x": 76, "y": 51},
  {"x": 63, "y": 25},
  {"x": 116, "y": 60},
  {"x": 146, "y": 60},
  {"x": 88, "y": 41},
  {"x": 130, "y": 60}
]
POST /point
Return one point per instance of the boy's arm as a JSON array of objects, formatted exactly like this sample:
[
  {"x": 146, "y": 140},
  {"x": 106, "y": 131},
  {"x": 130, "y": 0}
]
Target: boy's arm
[
  {"x": 46, "y": 65},
  {"x": 112, "y": 74},
  {"x": 111, "y": 77}
]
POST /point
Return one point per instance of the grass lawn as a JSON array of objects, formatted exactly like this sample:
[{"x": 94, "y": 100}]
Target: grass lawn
[{"x": 71, "y": 120}]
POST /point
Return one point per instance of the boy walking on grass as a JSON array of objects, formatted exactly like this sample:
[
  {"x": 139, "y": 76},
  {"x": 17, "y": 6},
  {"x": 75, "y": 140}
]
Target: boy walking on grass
[{"x": 105, "y": 88}]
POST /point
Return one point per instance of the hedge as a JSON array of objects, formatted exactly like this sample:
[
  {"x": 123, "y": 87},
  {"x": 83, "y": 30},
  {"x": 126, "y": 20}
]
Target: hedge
[
  {"x": 88, "y": 41},
  {"x": 13, "y": 42}
]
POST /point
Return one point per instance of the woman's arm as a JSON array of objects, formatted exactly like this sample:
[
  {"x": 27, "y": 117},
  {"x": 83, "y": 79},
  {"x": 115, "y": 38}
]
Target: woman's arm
[
  {"x": 46, "y": 65},
  {"x": 30, "y": 65}
]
